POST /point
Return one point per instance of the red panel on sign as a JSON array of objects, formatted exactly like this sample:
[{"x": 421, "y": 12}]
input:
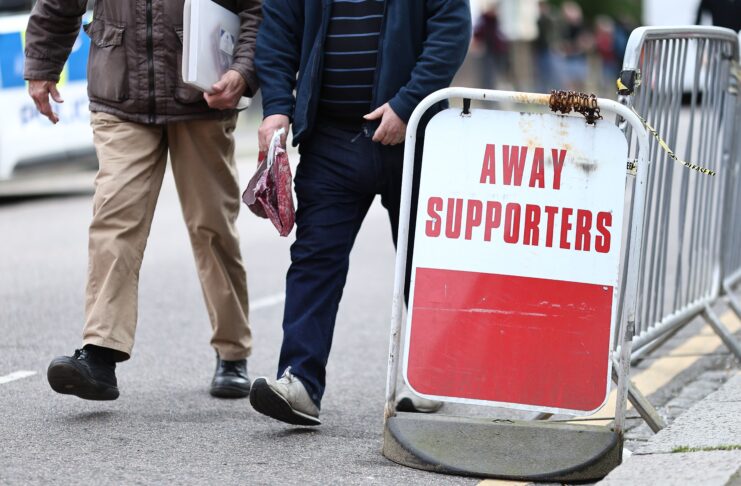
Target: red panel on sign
[{"x": 510, "y": 339}]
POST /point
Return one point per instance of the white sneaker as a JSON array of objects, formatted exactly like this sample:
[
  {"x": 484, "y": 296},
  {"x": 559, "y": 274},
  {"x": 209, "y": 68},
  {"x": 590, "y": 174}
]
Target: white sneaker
[
  {"x": 406, "y": 401},
  {"x": 285, "y": 399}
]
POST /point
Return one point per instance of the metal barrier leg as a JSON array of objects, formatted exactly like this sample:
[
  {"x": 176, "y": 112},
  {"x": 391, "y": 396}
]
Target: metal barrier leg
[
  {"x": 647, "y": 411},
  {"x": 734, "y": 303},
  {"x": 639, "y": 401},
  {"x": 732, "y": 300},
  {"x": 725, "y": 335},
  {"x": 643, "y": 352}
]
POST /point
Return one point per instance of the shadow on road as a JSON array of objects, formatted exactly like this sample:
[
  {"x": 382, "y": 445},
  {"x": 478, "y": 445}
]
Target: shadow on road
[
  {"x": 14, "y": 200},
  {"x": 295, "y": 432},
  {"x": 89, "y": 417}
]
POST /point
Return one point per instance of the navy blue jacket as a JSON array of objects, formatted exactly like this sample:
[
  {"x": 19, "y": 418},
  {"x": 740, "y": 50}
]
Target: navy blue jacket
[{"x": 422, "y": 45}]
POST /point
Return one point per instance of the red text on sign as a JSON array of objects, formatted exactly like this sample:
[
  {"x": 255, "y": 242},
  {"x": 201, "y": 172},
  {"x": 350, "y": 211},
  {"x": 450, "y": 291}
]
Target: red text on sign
[
  {"x": 514, "y": 162},
  {"x": 515, "y": 223}
]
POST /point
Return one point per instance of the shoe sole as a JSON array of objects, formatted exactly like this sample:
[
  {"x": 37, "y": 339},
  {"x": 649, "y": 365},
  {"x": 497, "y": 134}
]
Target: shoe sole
[
  {"x": 229, "y": 392},
  {"x": 267, "y": 402},
  {"x": 67, "y": 380},
  {"x": 407, "y": 405}
]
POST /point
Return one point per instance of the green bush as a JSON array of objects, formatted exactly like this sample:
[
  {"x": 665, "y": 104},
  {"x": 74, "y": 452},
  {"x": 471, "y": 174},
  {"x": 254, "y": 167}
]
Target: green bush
[{"x": 614, "y": 8}]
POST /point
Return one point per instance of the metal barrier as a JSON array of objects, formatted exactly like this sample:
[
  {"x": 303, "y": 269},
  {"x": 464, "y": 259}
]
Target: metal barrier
[
  {"x": 732, "y": 222},
  {"x": 731, "y": 251},
  {"x": 690, "y": 224},
  {"x": 513, "y": 449}
]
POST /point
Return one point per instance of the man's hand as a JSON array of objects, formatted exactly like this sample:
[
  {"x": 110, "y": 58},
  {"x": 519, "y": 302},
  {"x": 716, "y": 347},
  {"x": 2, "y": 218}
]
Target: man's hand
[
  {"x": 40, "y": 91},
  {"x": 267, "y": 129},
  {"x": 227, "y": 91},
  {"x": 392, "y": 129}
]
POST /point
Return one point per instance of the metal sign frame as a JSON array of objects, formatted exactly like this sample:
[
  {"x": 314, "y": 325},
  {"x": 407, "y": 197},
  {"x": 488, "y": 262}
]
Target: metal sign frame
[{"x": 404, "y": 453}]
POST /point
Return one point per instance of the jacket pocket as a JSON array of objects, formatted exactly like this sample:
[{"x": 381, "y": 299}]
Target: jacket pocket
[
  {"x": 107, "y": 70},
  {"x": 182, "y": 92}
]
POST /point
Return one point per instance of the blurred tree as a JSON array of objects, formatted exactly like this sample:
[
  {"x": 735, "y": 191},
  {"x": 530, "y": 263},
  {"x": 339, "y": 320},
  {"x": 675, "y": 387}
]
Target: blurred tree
[{"x": 617, "y": 9}]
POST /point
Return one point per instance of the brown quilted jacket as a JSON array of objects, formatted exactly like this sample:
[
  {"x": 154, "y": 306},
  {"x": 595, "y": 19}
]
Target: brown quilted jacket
[{"x": 135, "y": 54}]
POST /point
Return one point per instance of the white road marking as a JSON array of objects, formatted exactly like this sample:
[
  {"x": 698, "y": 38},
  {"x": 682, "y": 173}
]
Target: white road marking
[
  {"x": 268, "y": 301},
  {"x": 16, "y": 375}
]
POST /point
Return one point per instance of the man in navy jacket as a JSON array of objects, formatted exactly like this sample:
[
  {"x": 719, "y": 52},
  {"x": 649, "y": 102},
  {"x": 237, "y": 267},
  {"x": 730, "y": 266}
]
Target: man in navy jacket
[{"x": 347, "y": 75}]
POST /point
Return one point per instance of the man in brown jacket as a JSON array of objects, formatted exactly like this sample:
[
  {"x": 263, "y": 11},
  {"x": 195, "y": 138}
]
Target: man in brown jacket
[{"x": 141, "y": 113}]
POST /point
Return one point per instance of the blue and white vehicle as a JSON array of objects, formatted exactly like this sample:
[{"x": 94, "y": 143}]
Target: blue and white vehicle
[{"x": 28, "y": 140}]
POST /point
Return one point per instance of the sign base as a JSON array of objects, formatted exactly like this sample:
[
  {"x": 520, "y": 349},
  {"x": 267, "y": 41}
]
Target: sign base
[{"x": 504, "y": 449}]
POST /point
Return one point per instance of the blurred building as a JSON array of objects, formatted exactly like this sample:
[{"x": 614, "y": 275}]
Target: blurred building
[
  {"x": 519, "y": 26},
  {"x": 670, "y": 12}
]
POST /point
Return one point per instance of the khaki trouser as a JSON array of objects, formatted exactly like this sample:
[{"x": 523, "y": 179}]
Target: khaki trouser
[{"x": 132, "y": 164}]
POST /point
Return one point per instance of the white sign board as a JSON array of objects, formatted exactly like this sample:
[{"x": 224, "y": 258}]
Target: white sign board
[{"x": 516, "y": 261}]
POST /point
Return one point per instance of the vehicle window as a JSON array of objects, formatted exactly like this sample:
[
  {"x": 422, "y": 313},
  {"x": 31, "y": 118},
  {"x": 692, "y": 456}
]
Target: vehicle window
[
  {"x": 21, "y": 6},
  {"x": 15, "y": 6}
]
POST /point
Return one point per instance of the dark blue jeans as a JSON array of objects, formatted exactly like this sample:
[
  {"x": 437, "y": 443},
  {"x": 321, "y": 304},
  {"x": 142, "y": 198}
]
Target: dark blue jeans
[{"x": 339, "y": 175}]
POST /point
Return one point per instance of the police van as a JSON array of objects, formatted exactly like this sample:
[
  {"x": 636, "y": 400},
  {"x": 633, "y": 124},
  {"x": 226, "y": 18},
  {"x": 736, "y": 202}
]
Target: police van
[{"x": 30, "y": 145}]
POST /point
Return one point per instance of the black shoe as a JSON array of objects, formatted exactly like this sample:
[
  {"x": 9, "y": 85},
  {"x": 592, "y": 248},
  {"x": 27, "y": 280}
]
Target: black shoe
[
  {"x": 230, "y": 379},
  {"x": 89, "y": 374}
]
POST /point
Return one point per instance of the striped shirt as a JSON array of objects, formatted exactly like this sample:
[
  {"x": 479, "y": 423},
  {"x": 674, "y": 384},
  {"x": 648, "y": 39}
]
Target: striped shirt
[{"x": 350, "y": 58}]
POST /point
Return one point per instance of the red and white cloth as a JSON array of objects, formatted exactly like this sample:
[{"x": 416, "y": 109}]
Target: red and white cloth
[{"x": 269, "y": 193}]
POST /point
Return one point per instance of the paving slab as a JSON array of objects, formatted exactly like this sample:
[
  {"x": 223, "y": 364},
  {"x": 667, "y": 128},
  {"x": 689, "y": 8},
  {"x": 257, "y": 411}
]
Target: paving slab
[
  {"x": 711, "y": 423},
  {"x": 702, "y": 446},
  {"x": 690, "y": 468},
  {"x": 730, "y": 392}
]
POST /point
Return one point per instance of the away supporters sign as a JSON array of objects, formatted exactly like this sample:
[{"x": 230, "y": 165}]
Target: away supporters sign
[{"x": 516, "y": 261}]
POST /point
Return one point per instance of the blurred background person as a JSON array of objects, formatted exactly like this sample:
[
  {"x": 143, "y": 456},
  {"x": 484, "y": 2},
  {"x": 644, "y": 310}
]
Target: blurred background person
[
  {"x": 575, "y": 43},
  {"x": 606, "y": 47},
  {"x": 544, "y": 44},
  {"x": 724, "y": 13},
  {"x": 491, "y": 46}
]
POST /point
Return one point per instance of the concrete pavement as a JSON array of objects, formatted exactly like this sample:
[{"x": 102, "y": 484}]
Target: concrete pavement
[{"x": 703, "y": 446}]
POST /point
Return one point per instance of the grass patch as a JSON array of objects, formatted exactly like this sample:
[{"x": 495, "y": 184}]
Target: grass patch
[{"x": 730, "y": 447}]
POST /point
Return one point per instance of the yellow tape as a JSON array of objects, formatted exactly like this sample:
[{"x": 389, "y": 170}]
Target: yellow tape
[{"x": 669, "y": 151}]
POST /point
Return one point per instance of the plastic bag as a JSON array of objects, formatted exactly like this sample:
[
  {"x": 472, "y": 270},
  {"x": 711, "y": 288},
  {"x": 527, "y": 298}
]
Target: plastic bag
[{"x": 269, "y": 193}]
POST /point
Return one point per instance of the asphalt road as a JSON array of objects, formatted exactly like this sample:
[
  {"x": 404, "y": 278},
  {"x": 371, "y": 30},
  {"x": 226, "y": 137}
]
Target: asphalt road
[{"x": 165, "y": 428}]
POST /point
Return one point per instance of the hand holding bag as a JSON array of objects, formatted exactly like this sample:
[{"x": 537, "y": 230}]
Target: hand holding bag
[{"x": 269, "y": 193}]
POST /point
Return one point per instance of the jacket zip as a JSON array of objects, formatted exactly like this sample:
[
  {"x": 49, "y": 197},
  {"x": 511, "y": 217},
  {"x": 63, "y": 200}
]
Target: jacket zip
[
  {"x": 150, "y": 63},
  {"x": 319, "y": 64},
  {"x": 376, "y": 75}
]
